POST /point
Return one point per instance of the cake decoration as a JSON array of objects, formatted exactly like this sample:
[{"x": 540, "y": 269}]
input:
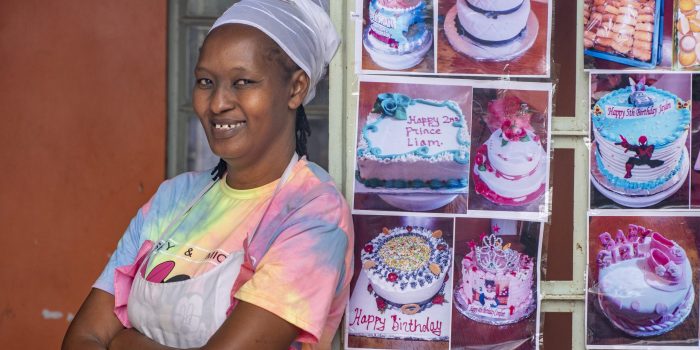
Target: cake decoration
[
  {"x": 407, "y": 268},
  {"x": 414, "y": 143},
  {"x": 397, "y": 36},
  {"x": 639, "y": 154},
  {"x": 510, "y": 167},
  {"x": 644, "y": 281},
  {"x": 497, "y": 283}
]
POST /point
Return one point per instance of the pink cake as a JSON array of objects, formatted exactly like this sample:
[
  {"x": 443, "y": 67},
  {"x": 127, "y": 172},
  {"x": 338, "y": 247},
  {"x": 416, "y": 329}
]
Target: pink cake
[
  {"x": 510, "y": 167},
  {"x": 496, "y": 283},
  {"x": 644, "y": 282}
]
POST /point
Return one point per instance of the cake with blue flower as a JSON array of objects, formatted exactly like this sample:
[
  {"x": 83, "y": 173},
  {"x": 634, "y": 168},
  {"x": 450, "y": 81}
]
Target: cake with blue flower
[
  {"x": 639, "y": 156},
  {"x": 397, "y": 36},
  {"x": 414, "y": 144},
  {"x": 407, "y": 268}
]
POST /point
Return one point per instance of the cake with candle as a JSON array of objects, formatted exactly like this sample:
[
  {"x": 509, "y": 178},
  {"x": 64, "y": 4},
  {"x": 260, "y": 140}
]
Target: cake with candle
[
  {"x": 397, "y": 36},
  {"x": 645, "y": 281},
  {"x": 407, "y": 268},
  {"x": 497, "y": 283},
  {"x": 640, "y": 155},
  {"x": 510, "y": 168},
  {"x": 415, "y": 144}
]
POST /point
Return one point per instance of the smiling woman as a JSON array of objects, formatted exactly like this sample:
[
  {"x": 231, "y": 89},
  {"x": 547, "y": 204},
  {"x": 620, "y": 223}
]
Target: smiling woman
[{"x": 205, "y": 263}]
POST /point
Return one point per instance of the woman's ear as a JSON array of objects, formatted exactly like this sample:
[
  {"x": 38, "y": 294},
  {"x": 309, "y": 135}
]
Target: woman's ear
[{"x": 299, "y": 84}]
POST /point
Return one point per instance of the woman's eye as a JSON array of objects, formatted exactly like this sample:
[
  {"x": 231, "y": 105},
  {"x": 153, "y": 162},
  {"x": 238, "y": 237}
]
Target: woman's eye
[
  {"x": 204, "y": 83},
  {"x": 242, "y": 82}
]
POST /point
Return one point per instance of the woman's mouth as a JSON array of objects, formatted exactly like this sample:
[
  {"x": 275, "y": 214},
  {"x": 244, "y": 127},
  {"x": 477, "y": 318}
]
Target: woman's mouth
[{"x": 226, "y": 129}]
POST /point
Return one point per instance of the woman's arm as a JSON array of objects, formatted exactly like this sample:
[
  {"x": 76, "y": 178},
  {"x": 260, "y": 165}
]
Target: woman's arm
[
  {"x": 248, "y": 327},
  {"x": 94, "y": 325}
]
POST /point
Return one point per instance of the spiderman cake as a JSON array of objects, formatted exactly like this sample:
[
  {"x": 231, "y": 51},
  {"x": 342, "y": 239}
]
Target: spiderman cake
[{"x": 639, "y": 155}]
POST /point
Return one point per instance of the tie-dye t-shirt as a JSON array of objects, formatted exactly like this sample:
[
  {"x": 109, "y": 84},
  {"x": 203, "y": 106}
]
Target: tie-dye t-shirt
[{"x": 308, "y": 221}]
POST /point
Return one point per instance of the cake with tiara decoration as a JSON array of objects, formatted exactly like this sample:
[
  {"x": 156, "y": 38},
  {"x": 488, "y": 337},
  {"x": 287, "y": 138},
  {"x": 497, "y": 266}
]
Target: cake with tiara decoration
[
  {"x": 397, "y": 36},
  {"x": 510, "y": 168},
  {"x": 407, "y": 268},
  {"x": 639, "y": 156},
  {"x": 497, "y": 283},
  {"x": 416, "y": 144},
  {"x": 645, "y": 281}
]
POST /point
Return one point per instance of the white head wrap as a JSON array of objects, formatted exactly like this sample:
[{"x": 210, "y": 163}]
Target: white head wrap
[{"x": 301, "y": 28}]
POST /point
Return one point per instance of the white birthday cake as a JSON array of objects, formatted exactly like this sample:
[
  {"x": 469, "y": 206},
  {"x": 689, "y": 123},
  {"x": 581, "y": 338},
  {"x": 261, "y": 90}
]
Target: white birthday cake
[
  {"x": 496, "y": 284},
  {"x": 407, "y": 268},
  {"x": 644, "y": 282},
  {"x": 414, "y": 143},
  {"x": 640, "y": 153},
  {"x": 397, "y": 36},
  {"x": 511, "y": 166}
]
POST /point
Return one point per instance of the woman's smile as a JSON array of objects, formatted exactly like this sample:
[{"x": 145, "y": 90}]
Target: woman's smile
[{"x": 223, "y": 129}]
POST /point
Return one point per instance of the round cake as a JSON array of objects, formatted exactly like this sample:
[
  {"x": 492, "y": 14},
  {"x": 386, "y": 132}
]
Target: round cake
[
  {"x": 640, "y": 156},
  {"x": 397, "y": 36},
  {"x": 510, "y": 167},
  {"x": 407, "y": 266},
  {"x": 644, "y": 282},
  {"x": 496, "y": 283}
]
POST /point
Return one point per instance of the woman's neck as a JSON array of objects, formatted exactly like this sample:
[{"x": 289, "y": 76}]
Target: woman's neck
[{"x": 258, "y": 173}]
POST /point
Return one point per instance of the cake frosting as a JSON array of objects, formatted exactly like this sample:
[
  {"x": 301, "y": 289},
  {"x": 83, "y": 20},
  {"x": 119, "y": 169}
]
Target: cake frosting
[
  {"x": 491, "y": 22},
  {"x": 496, "y": 283},
  {"x": 414, "y": 143},
  {"x": 644, "y": 281},
  {"x": 640, "y": 134},
  {"x": 397, "y": 36},
  {"x": 407, "y": 267},
  {"x": 510, "y": 167}
]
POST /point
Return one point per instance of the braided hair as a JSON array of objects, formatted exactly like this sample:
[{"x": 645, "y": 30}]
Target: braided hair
[{"x": 302, "y": 131}]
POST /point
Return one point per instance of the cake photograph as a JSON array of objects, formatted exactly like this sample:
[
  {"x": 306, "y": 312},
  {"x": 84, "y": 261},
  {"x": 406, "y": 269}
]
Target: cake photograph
[
  {"x": 639, "y": 154},
  {"x": 687, "y": 35},
  {"x": 629, "y": 34},
  {"x": 642, "y": 281},
  {"x": 412, "y": 145},
  {"x": 494, "y": 38},
  {"x": 510, "y": 162},
  {"x": 495, "y": 290},
  {"x": 401, "y": 292},
  {"x": 396, "y": 36}
]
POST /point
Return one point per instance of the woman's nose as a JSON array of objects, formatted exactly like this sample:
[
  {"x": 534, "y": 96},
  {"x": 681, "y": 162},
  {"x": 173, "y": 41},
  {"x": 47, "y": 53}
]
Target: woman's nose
[{"x": 222, "y": 100}]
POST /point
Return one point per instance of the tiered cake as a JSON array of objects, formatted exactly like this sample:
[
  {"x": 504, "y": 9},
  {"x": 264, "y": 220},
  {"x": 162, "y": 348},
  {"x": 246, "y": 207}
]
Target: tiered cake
[{"x": 397, "y": 36}]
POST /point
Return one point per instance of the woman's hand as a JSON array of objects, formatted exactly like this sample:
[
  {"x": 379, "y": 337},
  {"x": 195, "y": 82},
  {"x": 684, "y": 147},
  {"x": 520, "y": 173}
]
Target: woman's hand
[{"x": 94, "y": 325}]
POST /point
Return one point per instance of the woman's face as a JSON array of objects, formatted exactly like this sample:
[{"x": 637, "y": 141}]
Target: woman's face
[{"x": 244, "y": 96}]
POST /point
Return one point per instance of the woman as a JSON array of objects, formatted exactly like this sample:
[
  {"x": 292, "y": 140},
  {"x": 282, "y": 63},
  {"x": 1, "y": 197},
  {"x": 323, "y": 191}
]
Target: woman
[{"x": 260, "y": 256}]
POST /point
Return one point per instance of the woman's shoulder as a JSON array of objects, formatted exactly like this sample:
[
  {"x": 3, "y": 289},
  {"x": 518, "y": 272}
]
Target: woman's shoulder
[{"x": 183, "y": 186}]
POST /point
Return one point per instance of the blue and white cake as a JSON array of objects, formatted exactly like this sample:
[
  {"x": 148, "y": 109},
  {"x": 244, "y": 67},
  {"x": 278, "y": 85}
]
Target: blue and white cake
[
  {"x": 414, "y": 144},
  {"x": 407, "y": 267},
  {"x": 640, "y": 156},
  {"x": 397, "y": 36}
]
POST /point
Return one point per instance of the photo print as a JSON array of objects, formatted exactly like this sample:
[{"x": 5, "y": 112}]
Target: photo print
[
  {"x": 401, "y": 293},
  {"x": 642, "y": 281},
  {"x": 496, "y": 273},
  {"x": 494, "y": 38},
  {"x": 639, "y": 154}
]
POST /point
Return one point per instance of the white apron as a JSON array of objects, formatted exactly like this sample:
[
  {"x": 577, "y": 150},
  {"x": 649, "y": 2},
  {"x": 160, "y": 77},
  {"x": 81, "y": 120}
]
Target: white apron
[{"x": 185, "y": 314}]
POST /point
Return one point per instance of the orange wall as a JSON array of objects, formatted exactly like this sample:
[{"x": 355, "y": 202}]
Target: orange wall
[{"x": 82, "y": 146}]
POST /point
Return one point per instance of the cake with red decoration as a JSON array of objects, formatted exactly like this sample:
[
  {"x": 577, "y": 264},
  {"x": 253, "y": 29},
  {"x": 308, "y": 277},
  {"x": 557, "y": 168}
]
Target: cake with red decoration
[
  {"x": 397, "y": 36},
  {"x": 644, "y": 281},
  {"x": 639, "y": 155},
  {"x": 407, "y": 268},
  {"x": 497, "y": 283},
  {"x": 511, "y": 166}
]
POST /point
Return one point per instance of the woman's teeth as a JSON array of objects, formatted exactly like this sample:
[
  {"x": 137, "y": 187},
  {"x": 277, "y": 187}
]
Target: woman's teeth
[{"x": 228, "y": 126}]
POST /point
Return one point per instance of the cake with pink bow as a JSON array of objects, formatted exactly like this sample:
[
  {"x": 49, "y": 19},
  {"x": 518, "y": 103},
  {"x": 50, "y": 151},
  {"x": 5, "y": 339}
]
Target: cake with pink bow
[
  {"x": 511, "y": 166},
  {"x": 644, "y": 281},
  {"x": 497, "y": 283},
  {"x": 397, "y": 36}
]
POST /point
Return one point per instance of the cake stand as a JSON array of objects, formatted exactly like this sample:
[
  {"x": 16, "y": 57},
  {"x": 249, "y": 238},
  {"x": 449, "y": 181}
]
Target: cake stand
[
  {"x": 638, "y": 199},
  {"x": 462, "y": 306},
  {"x": 478, "y": 51},
  {"x": 411, "y": 199}
]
